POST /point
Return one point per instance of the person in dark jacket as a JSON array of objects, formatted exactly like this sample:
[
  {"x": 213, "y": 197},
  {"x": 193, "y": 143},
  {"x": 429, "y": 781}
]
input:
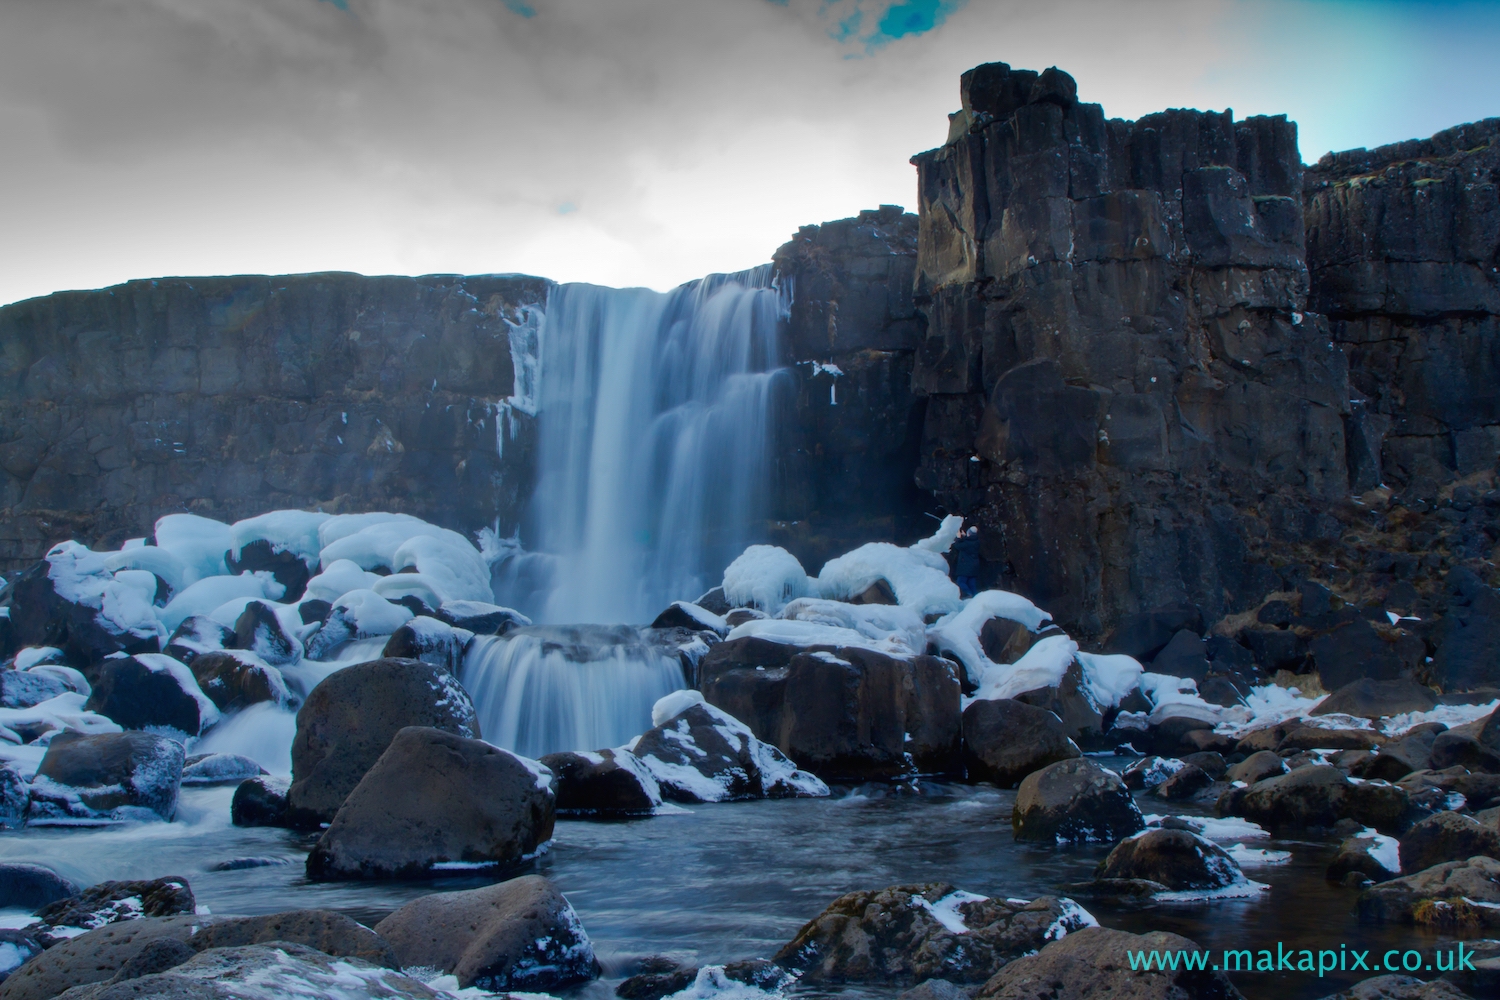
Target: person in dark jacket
[{"x": 964, "y": 562}]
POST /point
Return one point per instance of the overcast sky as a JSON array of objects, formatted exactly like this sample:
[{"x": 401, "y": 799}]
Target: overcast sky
[{"x": 615, "y": 141}]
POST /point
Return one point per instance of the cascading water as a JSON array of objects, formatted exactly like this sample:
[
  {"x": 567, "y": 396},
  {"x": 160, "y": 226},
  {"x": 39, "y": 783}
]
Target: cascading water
[{"x": 654, "y": 416}]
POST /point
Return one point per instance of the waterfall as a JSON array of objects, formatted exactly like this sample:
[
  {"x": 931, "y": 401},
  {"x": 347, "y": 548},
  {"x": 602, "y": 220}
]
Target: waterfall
[{"x": 545, "y": 688}]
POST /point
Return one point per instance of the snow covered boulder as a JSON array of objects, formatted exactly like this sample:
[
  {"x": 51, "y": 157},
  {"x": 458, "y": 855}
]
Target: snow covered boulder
[
  {"x": 516, "y": 935},
  {"x": 198, "y": 634},
  {"x": 1177, "y": 859},
  {"x": 682, "y": 614},
  {"x": 764, "y": 577},
  {"x": 151, "y": 691},
  {"x": 1074, "y": 801},
  {"x": 908, "y": 933},
  {"x": 359, "y": 614},
  {"x": 699, "y": 753},
  {"x": 269, "y": 632},
  {"x": 481, "y": 618},
  {"x": 1005, "y": 740},
  {"x": 72, "y": 601},
  {"x": 431, "y": 641},
  {"x": 351, "y": 717},
  {"x": 1368, "y": 856},
  {"x": 109, "y": 777},
  {"x": 219, "y": 769},
  {"x": 1447, "y": 836},
  {"x": 235, "y": 678},
  {"x": 1095, "y": 962},
  {"x": 23, "y": 689},
  {"x": 603, "y": 784},
  {"x": 435, "y": 799},
  {"x": 283, "y": 543}
]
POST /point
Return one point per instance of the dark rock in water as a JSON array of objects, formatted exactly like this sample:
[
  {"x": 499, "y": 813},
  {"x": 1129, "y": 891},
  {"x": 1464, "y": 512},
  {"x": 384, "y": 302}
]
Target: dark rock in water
[
  {"x": 1146, "y": 633},
  {"x": 259, "y": 631},
  {"x": 1372, "y": 857},
  {"x": 602, "y": 784},
  {"x": 935, "y": 989},
  {"x": 1210, "y": 762},
  {"x": 1177, "y": 859},
  {"x": 260, "y": 802},
  {"x": 29, "y": 886},
  {"x": 433, "y": 799},
  {"x": 1186, "y": 783},
  {"x": 109, "y": 902},
  {"x": 23, "y": 689},
  {"x": 151, "y": 690},
  {"x": 244, "y": 864},
  {"x": 1357, "y": 651},
  {"x": 1316, "y": 797},
  {"x": 481, "y": 618},
  {"x": 198, "y": 634},
  {"x": 1442, "y": 897},
  {"x": 95, "y": 957},
  {"x": 1185, "y": 655},
  {"x": 1095, "y": 962},
  {"x": 431, "y": 641},
  {"x": 15, "y": 798},
  {"x": 351, "y": 717},
  {"x": 1149, "y": 772},
  {"x": 516, "y": 935},
  {"x": 234, "y": 679},
  {"x": 1074, "y": 800},
  {"x": 1447, "y": 836},
  {"x": 17, "y": 947},
  {"x": 1005, "y": 740},
  {"x": 710, "y": 756},
  {"x": 106, "y": 778},
  {"x": 1397, "y": 987},
  {"x": 905, "y": 934},
  {"x": 658, "y": 977},
  {"x": 219, "y": 769},
  {"x": 682, "y": 614},
  {"x": 286, "y": 566},
  {"x": 1455, "y": 748},
  {"x": 1373, "y": 699},
  {"x": 325, "y": 930}
]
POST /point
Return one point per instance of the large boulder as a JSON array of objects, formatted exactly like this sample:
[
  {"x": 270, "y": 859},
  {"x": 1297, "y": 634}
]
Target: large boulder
[
  {"x": 96, "y": 956},
  {"x": 1358, "y": 650},
  {"x": 1074, "y": 800},
  {"x": 1005, "y": 740},
  {"x": 219, "y": 769},
  {"x": 516, "y": 935},
  {"x": 28, "y": 886},
  {"x": 261, "y": 631},
  {"x": 603, "y": 784},
  {"x": 1447, "y": 836},
  {"x": 198, "y": 634},
  {"x": 260, "y": 801},
  {"x": 351, "y": 717},
  {"x": 1367, "y": 855},
  {"x": 1372, "y": 699},
  {"x": 1446, "y": 896},
  {"x": 1177, "y": 859},
  {"x": 703, "y": 754},
  {"x": 1260, "y": 765},
  {"x": 23, "y": 689},
  {"x": 61, "y": 601},
  {"x": 908, "y": 933},
  {"x": 325, "y": 930},
  {"x": 105, "y": 778},
  {"x": 432, "y": 799},
  {"x": 1317, "y": 796},
  {"x": 235, "y": 678},
  {"x": 431, "y": 641},
  {"x": 151, "y": 691},
  {"x": 1096, "y": 962},
  {"x": 1144, "y": 634}
]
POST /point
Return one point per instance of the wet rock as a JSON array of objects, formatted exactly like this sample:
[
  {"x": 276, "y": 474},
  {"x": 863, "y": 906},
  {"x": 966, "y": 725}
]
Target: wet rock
[
  {"x": 435, "y": 798},
  {"x": 431, "y": 641},
  {"x": 15, "y": 798},
  {"x": 1443, "y": 896},
  {"x": 1095, "y": 962},
  {"x": 481, "y": 618},
  {"x": 351, "y": 717},
  {"x": 198, "y": 634},
  {"x": 602, "y": 784},
  {"x": 260, "y": 802},
  {"x": 234, "y": 679},
  {"x": 1447, "y": 836},
  {"x": 658, "y": 977},
  {"x": 109, "y": 777},
  {"x": 259, "y": 631},
  {"x": 1177, "y": 859},
  {"x": 1394, "y": 987},
  {"x": 324, "y": 930},
  {"x": 1185, "y": 784},
  {"x": 908, "y": 933},
  {"x": 516, "y": 935},
  {"x": 110, "y": 902},
  {"x": 683, "y": 614},
  {"x": 1074, "y": 800},
  {"x": 1005, "y": 740},
  {"x": 1149, "y": 772},
  {"x": 1258, "y": 766},
  {"x": 1316, "y": 796},
  {"x": 1374, "y": 856},
  {"x": 1210, "y": 762},
  {"x": 23, "y": 689},
  {"x": 95, "y": 957},
  {"x": 219, "y": 769},
  {"x": 28, "y": 886},
  {"x": 703, "y": 754},
  {"x": 1373, "y": 699},
  {"x": 151, "y": 691}
]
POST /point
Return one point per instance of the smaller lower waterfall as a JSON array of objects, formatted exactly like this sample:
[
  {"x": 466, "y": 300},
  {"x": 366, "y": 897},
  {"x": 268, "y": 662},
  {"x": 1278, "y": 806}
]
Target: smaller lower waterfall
[{"x": 542, "y": 689}]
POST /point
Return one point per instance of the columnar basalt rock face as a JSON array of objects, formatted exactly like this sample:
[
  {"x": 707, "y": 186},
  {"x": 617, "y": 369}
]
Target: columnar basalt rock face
[
  {"x": 1403, "y": 246},
  {"x": 1118, "y": 356},
  {"x": 231, "y": 396}
]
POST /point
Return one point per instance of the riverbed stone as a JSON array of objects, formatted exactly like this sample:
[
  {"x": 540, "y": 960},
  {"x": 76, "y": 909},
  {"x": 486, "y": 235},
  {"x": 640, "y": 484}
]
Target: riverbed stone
[
  {"x": 902, "y": 934},
  {"x": 435, "y": 798},
  {"x": 1367, "y": 855},
  {"x": 1095, "y": 962},
  {"x": 704, "y": 754},
  {"x": 95, "y": 956},
  {"x": 349, "y": 720},
  {"x": 235, "y": 678},
  {"x": 1074, "y": 800},
  {"x": 431, "y": 641},
  {"x": 1317, "y": 796},
  {"x": 324, "y": 930},
  {"x": 517, "y": 935},
  {"x": 107, "y": 777},
  {"x": 1258, "y": 766},
  {"x": 260, "y": 801},
  {"x": 1177, "y": 859},
  {"x": 603, "y": 784},
  {"x": 1447, "y": 836},
  {"x": 219, "y": 769},
  {"x": 1005, "y": 740},
  {"x": 109, "y": 902},
  {"x": 1442, "y": 896},
  {"x": 1186, "y": 783}
]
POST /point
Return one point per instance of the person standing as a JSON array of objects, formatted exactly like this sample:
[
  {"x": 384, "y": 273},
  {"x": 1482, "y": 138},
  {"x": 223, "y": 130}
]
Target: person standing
[{"x": 965, "y": 563}]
